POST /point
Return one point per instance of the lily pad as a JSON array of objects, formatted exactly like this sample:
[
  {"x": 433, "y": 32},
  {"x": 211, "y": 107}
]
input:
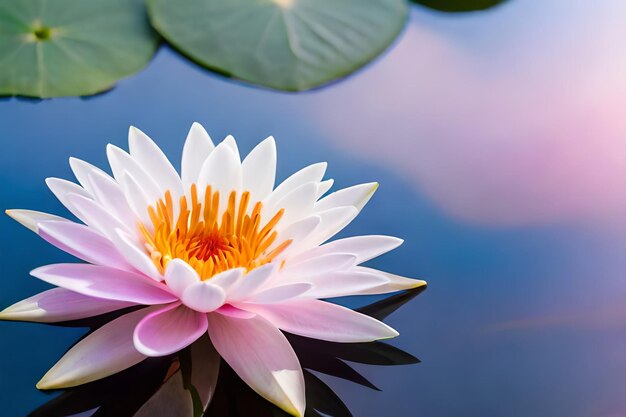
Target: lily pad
[
  {"x": 51, "y": 48},
  {"x": 459, "y": 5},
  {"x": 284, "y": 44}
]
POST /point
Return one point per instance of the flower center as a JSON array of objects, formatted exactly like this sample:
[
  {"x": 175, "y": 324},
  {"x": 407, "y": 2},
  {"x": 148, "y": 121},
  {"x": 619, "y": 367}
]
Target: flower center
[{"x": 211, "y": 243}]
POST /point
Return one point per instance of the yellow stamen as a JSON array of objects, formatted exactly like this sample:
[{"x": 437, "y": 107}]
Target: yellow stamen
[{"x": 208, "y": 242}]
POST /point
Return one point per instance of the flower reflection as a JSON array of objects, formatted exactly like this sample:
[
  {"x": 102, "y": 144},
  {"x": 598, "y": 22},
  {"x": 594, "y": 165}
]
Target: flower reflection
[{"x": 175, "y": 386}]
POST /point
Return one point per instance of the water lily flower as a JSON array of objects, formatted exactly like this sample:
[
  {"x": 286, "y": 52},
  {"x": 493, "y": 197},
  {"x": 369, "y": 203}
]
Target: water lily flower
[{"x": 217, "y": 249}]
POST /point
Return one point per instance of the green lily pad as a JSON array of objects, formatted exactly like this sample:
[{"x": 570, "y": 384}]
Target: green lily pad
[
  {"x": 51, "y": 48},
  {"x": 459, "y": 5},
  {"x": 283, "y": 44}
]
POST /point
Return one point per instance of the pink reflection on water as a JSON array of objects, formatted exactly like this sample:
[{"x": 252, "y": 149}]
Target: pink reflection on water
[{"x": 500, "y": 119}]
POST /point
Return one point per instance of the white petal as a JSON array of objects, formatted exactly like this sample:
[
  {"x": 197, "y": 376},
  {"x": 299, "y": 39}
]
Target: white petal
[
  {"x": 179, "y": 275},
  {"x": 30, "y": 218},
  {"x": 137, "y": 199},
  {"x": 280, "y": 293},
  {"x": 232, "y": 144},
  {"x": 95, "y": 216},
  {"x": 110, "y": 195},
  {"x": 262, "y": 357},
  {"x": 324, "y": 187},
  {"x": 106, "y": 351},
  {"x": 154, "y": 162},
  {"x": 222, "y": 171},
  {"x": 122, "y": 162},
  {"x": 135, "y": 254},
  {"x": 363, "y": 247},
  {"x": 251, "y": 282},
  {"x": 59, "y": 304},
  {"x": 204, "y": 297},
  {"x": 62, "y": 189},
  {"x": 311, "y": 173},
  {"x": 297, "y": 233},
  {"x": 332, "y": 222},
  {"x": 259, "y": 170},
  {"x": 343, "y": 283},
  {"x": 395, "y": 282},
  {"x": 82, "y": 170},
  {"x": 356, "y": 196},
  {"x": 325, "y": 321},
  {"x": 84, "y": 243},
  {"x": 198, "y": 146},
  {"x": 297, "y": 204},
  {"x": 227, "y": 278},
  {"x": 319, "y": 265}
]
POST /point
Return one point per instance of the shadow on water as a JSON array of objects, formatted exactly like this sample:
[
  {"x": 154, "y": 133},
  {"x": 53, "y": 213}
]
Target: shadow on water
[{"x": 161, "y": 382}]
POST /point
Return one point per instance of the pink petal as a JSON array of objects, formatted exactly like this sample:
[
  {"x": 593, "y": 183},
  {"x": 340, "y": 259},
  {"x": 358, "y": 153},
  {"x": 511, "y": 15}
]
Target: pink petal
[
  {"x": 169, "y": 330},
  {"x": 322, "y": 320},
  {"x": 84, "y": 243},
  {"x": 59, "y": 304},
  {"x": 104, "y": 282},
  {"x": 232, "y": 311},
  {"x": 261, "y": 355},
  {"x": 106, "y": 351}
]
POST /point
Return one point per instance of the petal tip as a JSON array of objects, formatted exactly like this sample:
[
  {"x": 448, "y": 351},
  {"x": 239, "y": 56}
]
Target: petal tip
[
  {"x": 6, "y": 315},
  {"x": 22, "y": 218},
  {"x": 419, "y": 283},
  {"x": 48, "y": 383}
]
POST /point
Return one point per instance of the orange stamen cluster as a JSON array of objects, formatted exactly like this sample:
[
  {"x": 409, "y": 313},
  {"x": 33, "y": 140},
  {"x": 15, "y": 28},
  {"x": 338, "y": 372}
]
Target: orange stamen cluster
[{"x": 211, "y": 243}]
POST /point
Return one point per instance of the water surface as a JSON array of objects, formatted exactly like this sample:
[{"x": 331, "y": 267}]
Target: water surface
[{"x": 499, "y": 142}]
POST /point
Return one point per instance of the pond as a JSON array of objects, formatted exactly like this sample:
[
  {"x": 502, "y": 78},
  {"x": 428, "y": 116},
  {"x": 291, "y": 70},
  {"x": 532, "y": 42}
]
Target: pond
[{"x": 499, "y": 143}]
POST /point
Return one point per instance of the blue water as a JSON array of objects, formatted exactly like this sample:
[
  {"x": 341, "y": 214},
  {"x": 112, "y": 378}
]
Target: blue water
[{"x": 522, "y": 317}]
